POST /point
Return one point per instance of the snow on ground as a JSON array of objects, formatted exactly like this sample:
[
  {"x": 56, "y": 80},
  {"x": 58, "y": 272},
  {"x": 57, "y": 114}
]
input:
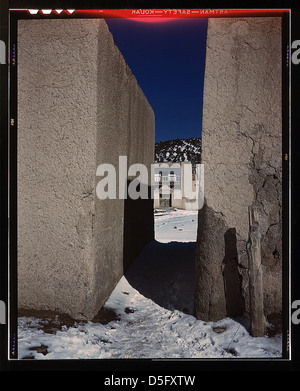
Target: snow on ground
[
  {"x": 177, "y": 225},
  {"x": 154, "y": 306}
]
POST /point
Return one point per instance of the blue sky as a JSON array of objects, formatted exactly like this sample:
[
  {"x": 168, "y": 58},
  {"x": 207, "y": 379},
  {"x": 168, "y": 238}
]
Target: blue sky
[{"x": 167, "y": 59}]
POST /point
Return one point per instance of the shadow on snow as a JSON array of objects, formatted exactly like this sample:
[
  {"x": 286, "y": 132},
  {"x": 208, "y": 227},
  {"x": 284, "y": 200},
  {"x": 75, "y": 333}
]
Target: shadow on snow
[{"x": 165, "y": 273}]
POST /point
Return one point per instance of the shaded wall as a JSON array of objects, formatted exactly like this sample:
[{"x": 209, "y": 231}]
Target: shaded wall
[
  {"x": 79, "y": 106},
  {"x": 241, "y": 139}
]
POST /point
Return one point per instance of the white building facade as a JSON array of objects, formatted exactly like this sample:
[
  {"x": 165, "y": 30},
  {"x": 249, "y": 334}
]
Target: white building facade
[{"x": 177, "y": 185}]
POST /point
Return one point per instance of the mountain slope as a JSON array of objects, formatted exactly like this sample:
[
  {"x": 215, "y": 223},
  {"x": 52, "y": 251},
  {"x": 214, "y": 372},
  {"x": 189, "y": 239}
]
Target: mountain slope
[{"x": 178, "y": 150}]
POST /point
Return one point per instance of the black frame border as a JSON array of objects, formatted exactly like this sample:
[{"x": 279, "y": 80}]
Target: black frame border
[{"x": 210, "y": 364}]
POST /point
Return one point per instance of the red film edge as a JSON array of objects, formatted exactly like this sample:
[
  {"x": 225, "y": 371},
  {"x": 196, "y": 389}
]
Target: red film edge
[
  {"x": 168, "y": 13},
  {"x": 131, "y": 13}
]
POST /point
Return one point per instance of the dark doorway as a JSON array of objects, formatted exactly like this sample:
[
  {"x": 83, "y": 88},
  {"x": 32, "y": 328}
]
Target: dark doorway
[{"x": 136, "y": 212}]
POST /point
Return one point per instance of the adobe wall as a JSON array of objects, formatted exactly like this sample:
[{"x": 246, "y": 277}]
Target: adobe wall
[
  {"x": 242, "y": 157},
  {"x": 79, "y": 106}
]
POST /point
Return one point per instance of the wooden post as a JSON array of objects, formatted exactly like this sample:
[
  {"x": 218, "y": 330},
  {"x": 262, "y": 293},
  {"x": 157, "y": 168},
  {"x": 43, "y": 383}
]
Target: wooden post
[{"x": 257, "y": 318}]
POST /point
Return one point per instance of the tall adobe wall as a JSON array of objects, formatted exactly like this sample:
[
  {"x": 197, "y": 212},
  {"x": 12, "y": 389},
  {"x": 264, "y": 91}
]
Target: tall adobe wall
[
  {"x": 79, "y": 106},
  {"x": 242, "y": 157}
]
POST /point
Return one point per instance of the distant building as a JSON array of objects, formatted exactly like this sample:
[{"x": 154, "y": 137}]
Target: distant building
[{"x": 171, "y": 190}]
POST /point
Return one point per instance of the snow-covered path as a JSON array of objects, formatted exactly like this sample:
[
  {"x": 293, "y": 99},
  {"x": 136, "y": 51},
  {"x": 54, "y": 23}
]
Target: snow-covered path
[
  {"x": 153, "y": 304},
  {"x": 177, "y": 225}
]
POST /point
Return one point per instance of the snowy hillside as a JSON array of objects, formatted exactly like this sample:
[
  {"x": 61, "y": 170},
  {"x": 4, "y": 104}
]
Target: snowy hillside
[{"x": 179, "y": 150}]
